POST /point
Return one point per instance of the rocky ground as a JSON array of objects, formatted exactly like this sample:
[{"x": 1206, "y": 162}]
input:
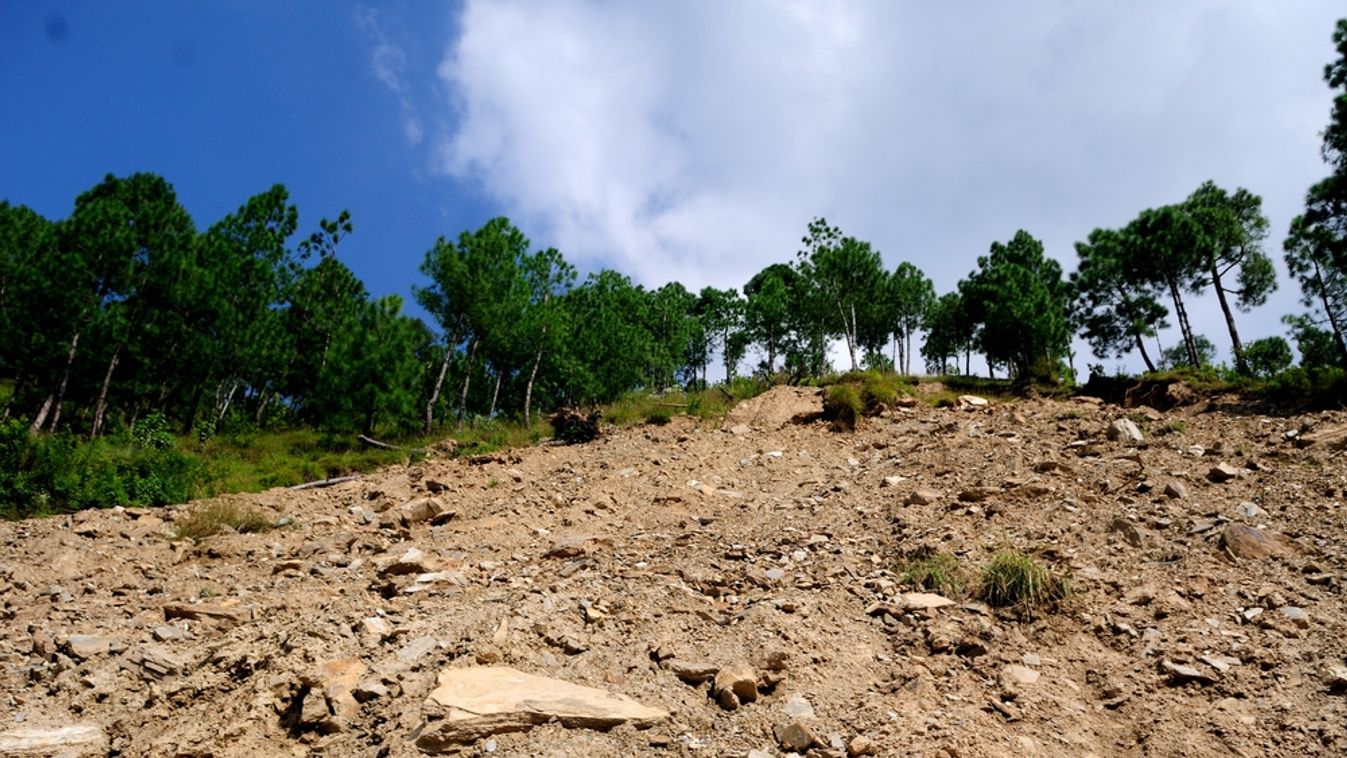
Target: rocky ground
[{"x": 725, "y": 591}]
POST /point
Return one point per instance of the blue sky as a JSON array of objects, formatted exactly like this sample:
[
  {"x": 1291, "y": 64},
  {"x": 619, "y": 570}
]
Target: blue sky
[
  {"x": 225, "y": 99},
  {"x": 690, "y": 140}
]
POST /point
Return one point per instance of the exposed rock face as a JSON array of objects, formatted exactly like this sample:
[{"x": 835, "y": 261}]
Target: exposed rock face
[{"x": 473, "y": 703}]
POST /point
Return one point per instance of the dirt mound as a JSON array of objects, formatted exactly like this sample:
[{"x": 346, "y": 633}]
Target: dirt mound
[
  {"x": 775, "y": 408},
  {"x": 682, "y": 590}
]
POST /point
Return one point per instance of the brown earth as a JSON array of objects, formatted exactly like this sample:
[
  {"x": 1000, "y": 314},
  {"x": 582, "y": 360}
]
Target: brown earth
[{"x": 644, "y": 562}]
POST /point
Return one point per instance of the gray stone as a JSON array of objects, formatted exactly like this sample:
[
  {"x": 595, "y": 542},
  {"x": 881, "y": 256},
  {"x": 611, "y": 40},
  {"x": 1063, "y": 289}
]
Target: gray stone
[
  {"x": 1249, "y": 510},
  {"x": 1335, "y": 677},
  {"x": 969, "y": 402},
  {"x": 477, "y": 702},
  {"x": 1223, "y": 472},
  {"x": 797, "y": 706},
  {"x": 1124, "y": 430},
  {"x": 412, "y": 561},
  {"x": 1176, "y": 489}
]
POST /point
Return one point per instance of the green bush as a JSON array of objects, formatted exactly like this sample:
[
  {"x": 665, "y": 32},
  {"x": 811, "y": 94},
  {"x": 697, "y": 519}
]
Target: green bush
[
  {"x": 1014, "y": 580},
  {"x": 843, "y": 407},
  {"x": 659, "y": 416}
]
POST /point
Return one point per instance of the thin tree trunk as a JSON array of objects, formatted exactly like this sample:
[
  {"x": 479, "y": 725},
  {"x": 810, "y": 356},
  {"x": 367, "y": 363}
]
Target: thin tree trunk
[
  {"x": 528, "y": 388},
  {"x": 1332, "y": 320},
  {"x": 1236, "y": 347},
  {"x": 467, "y": 378},
  {"x": 1141, "y": 348},
  {"x": 40, "y": 417},
  {"x": 439, "y": 382},
  {"x": 495, "y": 395},
  {"x": 229, "y": 398},
  {"x": 262, "y": 399},
  {"x": 1185, "y": 328},
  {"x": 100, "y": 408},
  {"x": 55, "y": 402}
]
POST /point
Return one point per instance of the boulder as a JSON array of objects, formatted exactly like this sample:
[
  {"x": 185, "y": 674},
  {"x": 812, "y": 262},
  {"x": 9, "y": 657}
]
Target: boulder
[
  {"x": 1253, "y": 543},
  {"x": 735, "y": 684},
  {"x": 1124, "y": 430},
  {"x": 471, "y": 703}
]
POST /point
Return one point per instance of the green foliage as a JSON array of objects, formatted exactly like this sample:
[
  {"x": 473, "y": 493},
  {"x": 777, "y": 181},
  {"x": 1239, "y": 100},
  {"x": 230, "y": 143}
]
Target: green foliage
[
  {"x": 210, "y": 519},
  {"x": 1019, "y": 298},
  {"x": 842, "y": 405},
  {"x": 55, "y": 474},
  {"x": 1014, "y": 580},
  {"x": 1268, "y": 356},
  {"x": 152, "y": 432},
  {"x": 939, "y": 573},
  {"x": 659, "y": 416},
  {"x": 1178, "y": 355}
]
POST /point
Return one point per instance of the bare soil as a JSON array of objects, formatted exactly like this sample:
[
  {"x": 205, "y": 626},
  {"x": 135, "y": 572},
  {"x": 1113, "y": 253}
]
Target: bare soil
[{"x": 655, "y": 550}]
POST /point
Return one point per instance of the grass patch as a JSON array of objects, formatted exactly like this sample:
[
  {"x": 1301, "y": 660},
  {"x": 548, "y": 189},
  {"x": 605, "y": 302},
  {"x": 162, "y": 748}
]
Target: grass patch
[
  {"x": 939, "y": 573},
  {"x": 219, "y": 517},
  {"x": 1014, "y": 580},
  {"x": 843, "y": 407}
]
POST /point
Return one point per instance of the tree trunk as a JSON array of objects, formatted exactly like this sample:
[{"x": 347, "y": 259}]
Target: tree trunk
[
  {"x": 1236, "y": 347},
  {"x": 467, "y": 378},
  {"x": 1185, "y": 328},
  {"x": 495, "y": 395},
  {"x": 849, "y": 327},
  {"x": 55, "y": 402},
  {"x": 1141, "y": 348},
  {"x": 439, "y": 382},
  {"x": 40, "y": 417},
  {"x": 1332, "y": 320},
  {"x": 528, "y": 388},
  {"x": 262, "y": 399},
  {"x": 100, "y": 408},
  {"x": 228, "y": 398}
]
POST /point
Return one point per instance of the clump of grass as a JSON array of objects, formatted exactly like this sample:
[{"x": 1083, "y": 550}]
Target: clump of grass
[
  {"x": 1173, "y": 427},
  {"x": 939, "y": 573},
  {"x": 1014, "y": 580},
  {"x": 213, "y": 518},
  {"x": 842, "y": 406},
  {"x": 659, "y": 416}
]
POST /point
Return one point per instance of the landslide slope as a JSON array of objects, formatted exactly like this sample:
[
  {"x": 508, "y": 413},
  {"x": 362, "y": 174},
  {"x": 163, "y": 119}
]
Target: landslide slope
[{"x": 654, "y": 556}]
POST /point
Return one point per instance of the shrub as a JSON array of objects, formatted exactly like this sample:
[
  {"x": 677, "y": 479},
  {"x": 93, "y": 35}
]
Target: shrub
[
  {"x": 574, "y": 425},
  {"x": 842, "y": 406},
  {"x": 659, "y": 416},
  {"x": 1012, "y": 579},
  {"x": 213, "y": 518},
  {"x": 938, "y": 573}
]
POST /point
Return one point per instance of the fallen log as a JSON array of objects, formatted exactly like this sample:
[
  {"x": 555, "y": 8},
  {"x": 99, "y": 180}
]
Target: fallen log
[
  {"x": 324, "y": 483},
  {"x": 371, "y": 442}
]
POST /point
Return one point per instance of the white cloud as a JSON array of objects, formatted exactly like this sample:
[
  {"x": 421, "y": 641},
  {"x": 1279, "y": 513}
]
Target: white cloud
[
  {"x": 389, "y": 63},
  {"x": 695, "y": 141}
]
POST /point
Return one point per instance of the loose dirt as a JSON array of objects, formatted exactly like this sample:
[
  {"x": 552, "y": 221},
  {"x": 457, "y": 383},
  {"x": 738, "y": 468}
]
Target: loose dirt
[{"x": 688, "y": 568}]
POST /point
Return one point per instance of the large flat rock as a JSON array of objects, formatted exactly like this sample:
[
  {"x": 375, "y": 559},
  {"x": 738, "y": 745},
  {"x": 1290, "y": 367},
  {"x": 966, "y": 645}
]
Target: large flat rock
[{"x": 471, "y": 703}]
